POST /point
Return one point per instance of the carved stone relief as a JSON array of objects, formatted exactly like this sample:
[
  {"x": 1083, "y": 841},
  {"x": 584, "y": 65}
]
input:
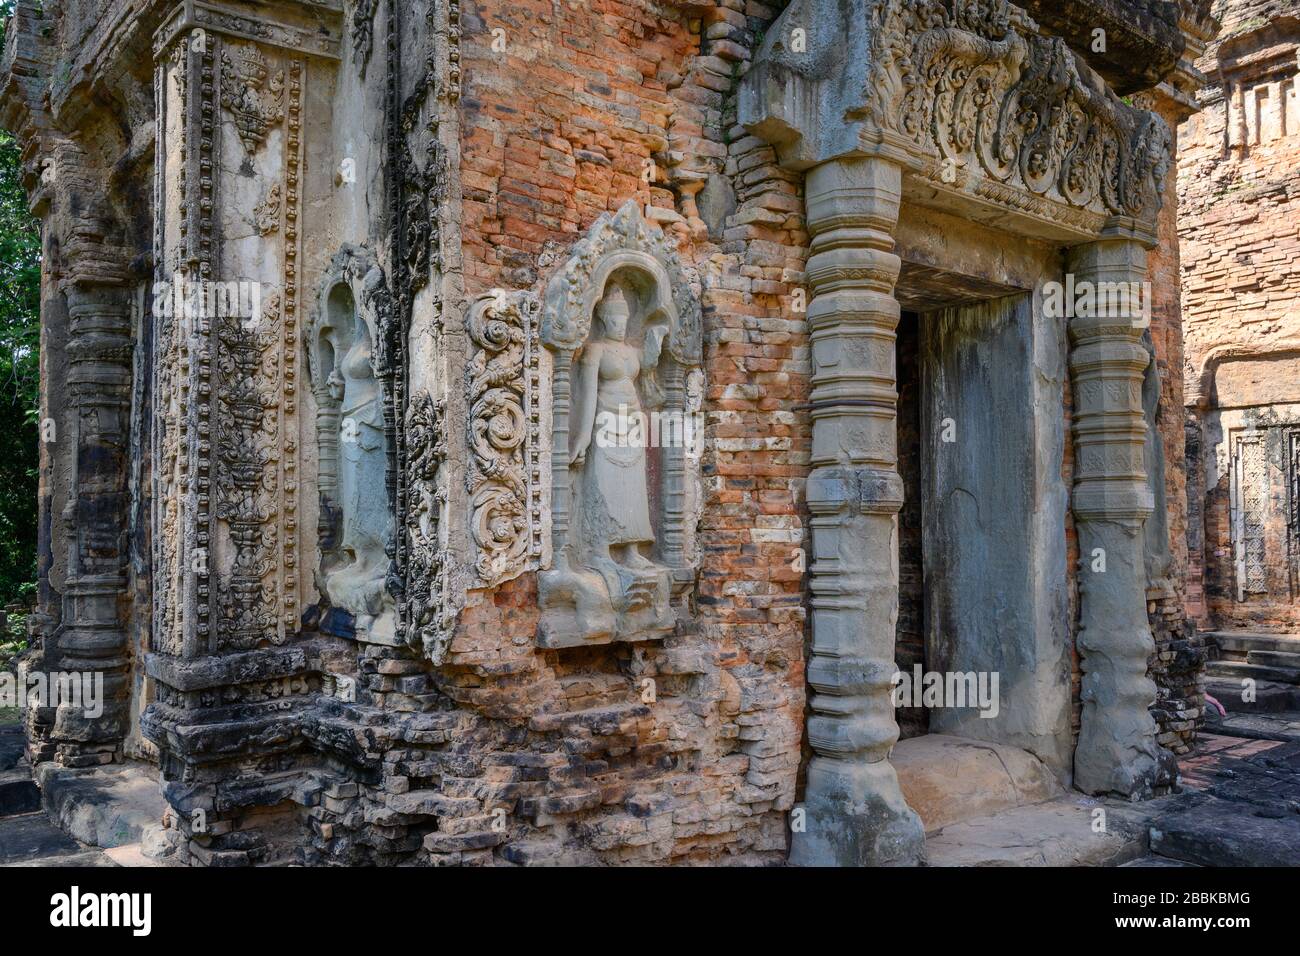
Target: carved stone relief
[
  {"x": 363, "y": 12},
  {"x": 623, "y": 328},
  {"x": 432, "y": 605},
  {"x": 227, "y": 425},
  {"x": 969, "y": 95},
  {"x": 432, "y": 566},
  {"x": 244, "y": 73},
  {"x": 504, "y": 435},
  {"x": 356, "y": 514}
]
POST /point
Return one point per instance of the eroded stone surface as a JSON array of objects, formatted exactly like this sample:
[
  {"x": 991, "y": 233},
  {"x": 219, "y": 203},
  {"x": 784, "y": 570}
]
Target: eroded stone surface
[{"x": 950, "y": 779}]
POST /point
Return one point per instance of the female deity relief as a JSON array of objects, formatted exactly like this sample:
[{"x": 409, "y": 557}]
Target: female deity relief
[
  {"x": 608, "y": 570},
  {"x": 609, "y": 449}
]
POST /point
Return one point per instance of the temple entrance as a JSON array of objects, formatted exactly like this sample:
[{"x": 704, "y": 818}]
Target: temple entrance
[{"x": 982, "y": 635}]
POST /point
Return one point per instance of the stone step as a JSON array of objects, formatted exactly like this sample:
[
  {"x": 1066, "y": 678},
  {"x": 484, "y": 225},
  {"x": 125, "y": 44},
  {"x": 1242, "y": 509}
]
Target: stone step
[
  {"x": 1241, "y": 669},
  {"x": 1152, "y": 861},
  {"x": 1059, "y": 832},
  {"x": 1270, "y": 696},
  {"x": 947, "y": 779},
  {"x": 1274, "y": 658},
  {"x": 1235, "y": 645},
  {"x": 1275, "y": 726},
  {"x": 103, "y": 806},
  {"x": 1227, "y": 833},
  {"x": 18, "y": 793},
  {"x": 29, "y": 836},
  {"x": 88, "y": 858}
]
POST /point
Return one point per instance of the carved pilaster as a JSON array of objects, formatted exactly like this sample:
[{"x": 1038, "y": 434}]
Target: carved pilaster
[
  {"x": 230, "y": 554},
  {"x": 1117, "y": 750},
  {"x": 856, "y": 814},
  {"x": 92, "y": 638},
  {"x": 501, "y": 384}
]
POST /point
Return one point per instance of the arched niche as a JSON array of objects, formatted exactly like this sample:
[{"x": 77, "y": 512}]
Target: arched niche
[{"x": 623, "y": 328}]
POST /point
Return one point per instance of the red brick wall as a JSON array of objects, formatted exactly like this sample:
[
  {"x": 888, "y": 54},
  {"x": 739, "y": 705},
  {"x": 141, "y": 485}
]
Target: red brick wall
[
  {"x": 557, "y": 130},
  {"x": 1239, "y": 183}
]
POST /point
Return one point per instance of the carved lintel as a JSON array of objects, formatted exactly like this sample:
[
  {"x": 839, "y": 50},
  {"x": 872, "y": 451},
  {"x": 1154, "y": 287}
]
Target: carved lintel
[{"x": 985, "y": 111}]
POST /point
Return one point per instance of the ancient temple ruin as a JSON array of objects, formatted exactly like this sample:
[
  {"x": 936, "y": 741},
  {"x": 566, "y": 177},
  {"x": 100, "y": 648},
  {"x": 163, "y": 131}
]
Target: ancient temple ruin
[
  {"x": 524, "y": 432},
  {"x": 1238, "y": 183},
  {"x": 1241, "y": 246}
]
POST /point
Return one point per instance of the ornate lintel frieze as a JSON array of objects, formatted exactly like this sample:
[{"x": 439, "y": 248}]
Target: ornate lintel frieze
[
  {"x": 305, "y": 27},
  {"x": 982, "y": 108}
]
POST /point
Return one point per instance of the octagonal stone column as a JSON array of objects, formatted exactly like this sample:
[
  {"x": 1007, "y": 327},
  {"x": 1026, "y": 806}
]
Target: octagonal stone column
[
  {"x": 855, "y": 814},
  {"x": 1117, "y": 750}
]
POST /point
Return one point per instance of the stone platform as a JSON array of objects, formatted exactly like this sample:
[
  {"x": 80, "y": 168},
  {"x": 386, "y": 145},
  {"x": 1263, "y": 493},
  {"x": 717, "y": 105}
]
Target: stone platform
[
  {"x": 990, "y": 805},
  {"x": 95, "y": 817}
]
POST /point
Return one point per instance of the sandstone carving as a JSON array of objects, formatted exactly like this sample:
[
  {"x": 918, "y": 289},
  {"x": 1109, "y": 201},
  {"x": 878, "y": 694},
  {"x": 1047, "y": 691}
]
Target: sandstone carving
[
  {"x": 503, "y": 435},
  {"x": 973, "y": 96},
  {"x": 254, "y": 109},
  {"x": 357, "y": 527},
  {"x": 430, "y": 558},
  {"x": 432, "y": 606},
  {"x": 623, "y": 307}
]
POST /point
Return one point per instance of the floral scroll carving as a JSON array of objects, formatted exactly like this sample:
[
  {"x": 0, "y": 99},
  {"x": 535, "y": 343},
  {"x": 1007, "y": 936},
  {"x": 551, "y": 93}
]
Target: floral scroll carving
[
  {"x": 502, "y": 433},
  {"x": 431, "y": 605},
  {"x": 978, "y": 85}
]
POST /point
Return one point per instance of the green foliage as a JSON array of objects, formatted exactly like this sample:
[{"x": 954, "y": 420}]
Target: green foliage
[{"x": 20, "y": 299}]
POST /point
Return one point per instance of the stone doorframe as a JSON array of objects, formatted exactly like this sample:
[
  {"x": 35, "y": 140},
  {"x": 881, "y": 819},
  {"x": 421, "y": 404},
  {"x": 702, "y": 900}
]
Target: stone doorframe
[{"x": 967, "y": 107}]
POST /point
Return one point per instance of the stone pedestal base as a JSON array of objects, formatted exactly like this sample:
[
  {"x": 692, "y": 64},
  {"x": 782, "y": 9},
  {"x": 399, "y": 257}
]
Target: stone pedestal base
[{"x": 855, "y": 815}]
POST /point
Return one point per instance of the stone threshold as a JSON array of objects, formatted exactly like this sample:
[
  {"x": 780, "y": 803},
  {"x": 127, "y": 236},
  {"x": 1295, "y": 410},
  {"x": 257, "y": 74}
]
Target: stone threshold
[{"x": 58, "y": 816}]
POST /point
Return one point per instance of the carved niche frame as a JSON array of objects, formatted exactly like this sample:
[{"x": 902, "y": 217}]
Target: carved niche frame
[{"x": 624, "y": 247}]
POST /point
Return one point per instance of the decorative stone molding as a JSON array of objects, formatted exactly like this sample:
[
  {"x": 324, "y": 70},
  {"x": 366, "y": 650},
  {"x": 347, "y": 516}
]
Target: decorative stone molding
[
  {"x": 267, "y": 213},
  {"x": 856, "y": 812},
  {"x": 244, "y": 73},
  {"x": 1117, "y": 750},
  {"x": 228, "y": 422},
  {"x": 433, "y": 603},
  {"x": 972, "y": 99},
  {"x": 627, "y": 270},
  {"x": 362, "y": 28},
  {"x": 307, "y": 27},
  {"x": 504, "y": 429}
]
